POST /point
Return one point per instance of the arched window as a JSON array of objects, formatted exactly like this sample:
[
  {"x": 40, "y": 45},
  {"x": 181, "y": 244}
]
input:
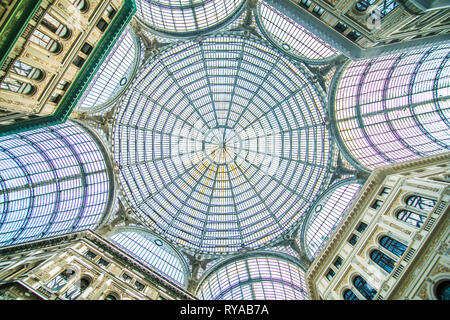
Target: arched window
[
  {"x": 53, "y": 25},
  {"x": 111, "y": 297},
  {"x": 382, "y": 260},
  {"x": 77, "y": 289},
  {"x": 363, "y": 5},
  {"x": 443, "y": 290},
  {"x": 61, "y": 280},
  {"x": 412, "y": 218},
  {"x": 361, "y": 285},
  {"x": 16, "y": 86},
  {"x": 44, "y": 41},
  {"x": 79, "y": 4},
  {"x": 349, "y": 295},
  {"x": 26, "y": 70},
  {"x": 421, "y": 203},
  {"x": 393, "y": 246}
]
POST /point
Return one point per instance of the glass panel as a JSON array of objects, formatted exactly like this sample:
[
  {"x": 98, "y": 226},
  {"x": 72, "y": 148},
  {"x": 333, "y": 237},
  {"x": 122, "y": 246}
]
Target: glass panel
[
  {"x": 54, "y": 180},
  {"x": 393, "y": 246},
  {"x": 421, "y": 203},
  {"x": 154, "y": 253},
  {"x": 327, "y": 214},
  {"x": 108, "y": 80},
  {"x": 291, "y": 36},
  {"x": 363, "y": 287},
  {"x": 353, "y": 239},
  {"x": 412, "y": 218},
  {"x": 382, "y": 260},
  {"x": 338, "y": 262},
  {"x": 361, "y": 227},
  {"x": 393, "y": 108},
  {"x": 184, "y": 15},
  {"x": 349, "y": 295},
  {"x": 266, "y": 278}
]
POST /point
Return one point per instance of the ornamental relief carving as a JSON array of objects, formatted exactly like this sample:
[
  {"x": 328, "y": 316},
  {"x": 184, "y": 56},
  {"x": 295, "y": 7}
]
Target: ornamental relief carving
[
  {"x": 439, "y": 268},
  {"x": 425, "y": 256},
  {"x": 443, "y": 249},
  {"x": 423, "y": 294},
  {"x": 41, "y": 63}
]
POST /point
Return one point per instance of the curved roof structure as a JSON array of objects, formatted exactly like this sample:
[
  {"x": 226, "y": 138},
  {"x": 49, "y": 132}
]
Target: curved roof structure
[
  {"x": 113, "y": 75},
  {"x": 53, "y": 181},
  {"x": 291, "y": 37},
  {"x": 326, "y": 214},
  {"x": 221, "y": 144},
  {"x": 152, "y": 252},
  {"x": 268, "y": 276},
  {"x": 180, "y": 18},
  {"x": 394, "y": 108}
]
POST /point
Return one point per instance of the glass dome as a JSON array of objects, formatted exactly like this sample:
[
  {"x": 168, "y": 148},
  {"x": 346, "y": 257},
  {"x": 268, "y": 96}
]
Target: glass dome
[
  {"x": 264, "y": 277},
  {"x": 292, "y": 37},
  {"x": 152, "y": 252},
  {"x": 394, "y": 108},
  {"x": 52, "y": 181},
  {"x": 186, "y": 17},
  {"x": 221, "y": 144}
]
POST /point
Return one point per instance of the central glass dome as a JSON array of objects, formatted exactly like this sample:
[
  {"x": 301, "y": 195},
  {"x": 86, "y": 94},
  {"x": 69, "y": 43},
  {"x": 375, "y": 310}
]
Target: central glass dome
[{"x": 221, "y": 144}]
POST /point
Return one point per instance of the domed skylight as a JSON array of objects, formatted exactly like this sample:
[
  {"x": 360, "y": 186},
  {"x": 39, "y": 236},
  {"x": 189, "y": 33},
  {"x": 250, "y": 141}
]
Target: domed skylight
[{"x": 221, "y": 144}]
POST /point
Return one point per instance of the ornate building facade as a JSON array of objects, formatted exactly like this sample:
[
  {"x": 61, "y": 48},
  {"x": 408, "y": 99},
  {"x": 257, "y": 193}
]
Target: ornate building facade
[
  {"x": 80, "y": 266},
  {"x": 393, "y": 242},
  {"x": 49, "y": 50}
]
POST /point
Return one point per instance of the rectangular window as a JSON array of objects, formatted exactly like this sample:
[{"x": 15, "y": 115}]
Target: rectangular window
[
  {"x": 385, "y": 191},
  {"x": 139, "y": 286},
  {"x": 126, "y": 278},
  {"x": 376, "y": 204},
  {"x": 86, "y": 48},
  {"x": 353, "y": 239},
  {"x": 330, "y": 274},
  {"x": 55, "y": 98},
  {"x": 78, "y": 61},
  {"x": 338, "y": 262},
  {"x": 110, "y": 12},
  {"x": 90, "y": 254},
  {"x": 102, "y": 24},
  {"x": 341, "y": 27},
  {"x": 317, "y": 11},
  {"x": 361, "y": 227},
  {"x": 305, "y": 3},
  {"x": 353, "y": 35},
  {"x": 62, "y": 85},
  {"x": 103, "y": 262}
]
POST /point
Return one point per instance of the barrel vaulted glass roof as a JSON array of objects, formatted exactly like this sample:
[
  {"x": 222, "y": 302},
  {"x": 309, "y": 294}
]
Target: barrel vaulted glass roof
[
  {"x": 265, "y": 277},
  {"x": 179, "y": 17},
  {"x": 153, "y": 252},
  {"x": 395, "y": 108},
  {"x": 52, "y": 181},
  {"x": 221, "y": 144},
  {"x": 113, "y": 74},
  {"x": 292, "y": 37}
]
